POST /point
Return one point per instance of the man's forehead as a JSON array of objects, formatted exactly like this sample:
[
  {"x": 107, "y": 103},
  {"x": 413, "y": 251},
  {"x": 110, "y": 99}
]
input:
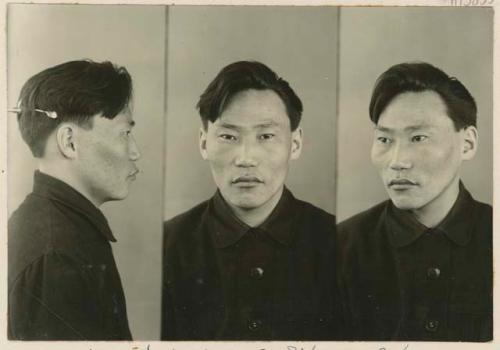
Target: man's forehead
[
  {"x": 249, "y": 100},
  {"x": 407, "y": 128},
  {"x": 126, "y": 116},
  {"x": 414, "y": 111},
  {"x": 412, "y": 122}
]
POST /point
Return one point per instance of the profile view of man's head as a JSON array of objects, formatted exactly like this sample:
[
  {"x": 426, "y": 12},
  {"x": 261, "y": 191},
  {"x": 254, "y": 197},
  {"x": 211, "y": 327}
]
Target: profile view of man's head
[
  {"x": 425, "y": 127},
  {"x": 250, "y": 132},
  {"x": 76, "y": 120}
]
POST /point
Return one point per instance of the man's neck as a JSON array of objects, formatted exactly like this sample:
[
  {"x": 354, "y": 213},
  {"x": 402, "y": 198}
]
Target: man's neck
[
  {"x": 434, "y": 212},
  {"x": 256, "y": 216},
  {"x": 61, "y": 172}
]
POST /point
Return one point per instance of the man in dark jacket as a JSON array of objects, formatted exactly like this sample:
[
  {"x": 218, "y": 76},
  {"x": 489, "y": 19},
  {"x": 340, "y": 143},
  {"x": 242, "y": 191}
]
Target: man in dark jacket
[
  {"x": 63, "y": 281},
  {"x": 252, "y": 262},
  {"x": 419, "y": 266}
]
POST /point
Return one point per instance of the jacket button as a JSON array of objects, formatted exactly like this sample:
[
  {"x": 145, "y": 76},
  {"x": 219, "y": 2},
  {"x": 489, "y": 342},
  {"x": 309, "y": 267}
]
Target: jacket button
[
  {"x": 257, "y": 273},
  {"x": 433, "y": 273},
  {"x": 432, "y": 326},
  {"x": 254, "y": 325}
]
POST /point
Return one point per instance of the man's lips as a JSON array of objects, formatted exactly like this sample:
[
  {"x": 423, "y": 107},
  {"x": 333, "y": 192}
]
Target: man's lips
[
  {"x": 399, "y": 184},
  {"x": 133, "y": 173},
  {"x": 246, "y": 180}
]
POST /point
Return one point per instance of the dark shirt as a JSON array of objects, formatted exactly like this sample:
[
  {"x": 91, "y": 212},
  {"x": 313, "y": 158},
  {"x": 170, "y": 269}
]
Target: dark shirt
[
  {"x": 63, "y": 281},
  {"x": 403, "y": 281},
  {"x": 225, "y": 280}
]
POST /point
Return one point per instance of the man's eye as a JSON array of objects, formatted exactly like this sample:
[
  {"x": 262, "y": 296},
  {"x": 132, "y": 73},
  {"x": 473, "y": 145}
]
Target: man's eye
[
  {"x": 418, "y": 138},
  {"x": 267, "y": 136},
  {"x": 227, "y": 137},
  {"x": 383, "y": 139}
]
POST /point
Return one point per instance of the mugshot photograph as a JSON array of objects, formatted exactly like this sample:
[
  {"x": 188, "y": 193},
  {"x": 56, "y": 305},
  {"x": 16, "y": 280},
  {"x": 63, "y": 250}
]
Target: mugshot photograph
[
  {"x": 419, "y": 265},
  {"x": 256, "y": 248},
  {"x": 248, "y": 173},
  {"x": 84, "y": 118},
  {"x": 62, "y": 274}
]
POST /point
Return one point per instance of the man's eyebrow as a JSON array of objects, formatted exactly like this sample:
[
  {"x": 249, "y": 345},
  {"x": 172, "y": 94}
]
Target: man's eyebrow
[
  {"x": 383, "y": 128},
  {"x": 229, "y": 126}
]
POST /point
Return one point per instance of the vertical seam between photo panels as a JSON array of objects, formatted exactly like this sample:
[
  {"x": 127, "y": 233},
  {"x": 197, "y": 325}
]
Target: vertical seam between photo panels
[
  {"x": 164, "y": 152},
  {"x": 337, "y": 110},
  {"x": 165, "y": 108}
]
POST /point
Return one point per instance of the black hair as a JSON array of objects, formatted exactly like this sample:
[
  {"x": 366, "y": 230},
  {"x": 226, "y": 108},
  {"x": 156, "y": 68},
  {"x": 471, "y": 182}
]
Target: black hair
[
  {"x": 418, "y": 77},
  {"x": 245, "y": 75},
  {"x": 75, "y": 91}
]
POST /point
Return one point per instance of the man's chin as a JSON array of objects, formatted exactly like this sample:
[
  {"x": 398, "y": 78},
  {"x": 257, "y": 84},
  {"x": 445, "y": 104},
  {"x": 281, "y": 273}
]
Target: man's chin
[
  {"x": 246, "y": 205},
  {"x": 245, "y": 202},
  {"x": 118, "y": 196},
  {"x": 404, "y": 203}
]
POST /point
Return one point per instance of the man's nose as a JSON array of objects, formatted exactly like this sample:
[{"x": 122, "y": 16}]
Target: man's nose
[
  {"x": 246, "y": 154},
  {"x": 134, "y": 152},
  {"x": 400, "y": 157}
]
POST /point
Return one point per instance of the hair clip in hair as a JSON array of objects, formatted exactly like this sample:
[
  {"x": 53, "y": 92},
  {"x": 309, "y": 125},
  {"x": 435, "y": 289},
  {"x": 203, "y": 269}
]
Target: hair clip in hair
[
  {"x": 50, "y": 114},
  {"x": 14, "y": 110}
]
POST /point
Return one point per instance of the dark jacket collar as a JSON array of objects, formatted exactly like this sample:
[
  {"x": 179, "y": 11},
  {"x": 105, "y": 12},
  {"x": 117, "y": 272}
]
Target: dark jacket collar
[
  {"x": 229, "y": 229},
  {"x": 54, "y": 189},
  {"x": 404, "y": 228}
]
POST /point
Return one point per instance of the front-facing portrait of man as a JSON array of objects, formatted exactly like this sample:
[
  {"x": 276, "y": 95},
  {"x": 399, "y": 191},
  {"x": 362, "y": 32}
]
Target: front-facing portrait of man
[
  {"x": 252, "y": 262},
  {"x": 63, "y": 280},
  {"x": 419, "y": 265}
]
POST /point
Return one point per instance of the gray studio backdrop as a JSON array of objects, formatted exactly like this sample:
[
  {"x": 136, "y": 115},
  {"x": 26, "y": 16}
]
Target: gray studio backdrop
[
  {"x": 458, "y": 40},
  {"x": 41, "y": 36},
  {"x": 298, "y": 43}
]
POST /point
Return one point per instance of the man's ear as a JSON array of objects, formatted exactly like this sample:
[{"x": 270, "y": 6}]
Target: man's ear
[
  {"x": 66, "y": 140},
  {"x": 470, "y": 138},
  {"x": 203, "y": 143},
  {"x": 296, "y": 143}
]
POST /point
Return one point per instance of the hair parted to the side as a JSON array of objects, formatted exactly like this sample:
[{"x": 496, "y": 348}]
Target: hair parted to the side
[
  {"x": 245, "y": 75},
  {"x": 418, "y": 77},
  {"x": 76, "y": 91}
]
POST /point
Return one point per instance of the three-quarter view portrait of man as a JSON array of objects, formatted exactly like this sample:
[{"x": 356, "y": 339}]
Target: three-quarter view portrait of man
[
  {"x": 63, "y": 283},
  {"x": 419, "y": 265},
  {"x": 252, "y": 262}
]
